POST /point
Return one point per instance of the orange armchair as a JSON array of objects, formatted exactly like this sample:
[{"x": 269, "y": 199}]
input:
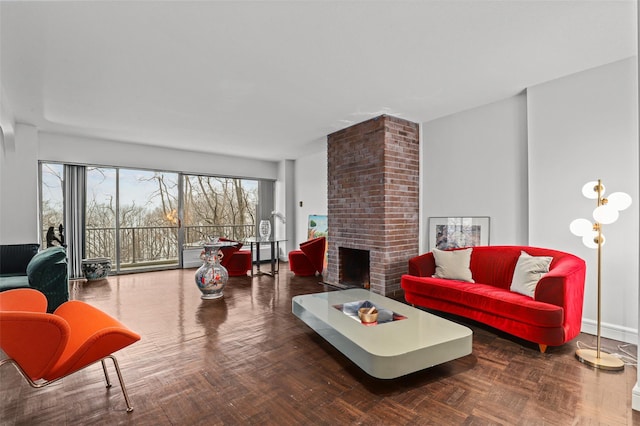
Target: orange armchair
[
  {"x": 47, "y": 347},
  {"x": 309, "y": 259}
]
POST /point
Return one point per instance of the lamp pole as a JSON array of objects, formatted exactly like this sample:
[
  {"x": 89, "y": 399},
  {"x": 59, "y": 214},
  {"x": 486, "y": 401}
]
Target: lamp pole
[
  {"x": 597, "y": 358},
  {"x": 599, "y": 226}
]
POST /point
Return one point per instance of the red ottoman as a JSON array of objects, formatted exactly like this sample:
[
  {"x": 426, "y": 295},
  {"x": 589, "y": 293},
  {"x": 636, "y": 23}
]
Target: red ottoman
[
  {"x": 237, "y": 261},
  {"x": 300, "y": 264}
]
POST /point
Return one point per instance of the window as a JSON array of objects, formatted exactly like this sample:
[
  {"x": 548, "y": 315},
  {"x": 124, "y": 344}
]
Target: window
[
  {"x": 51, "y": 203},
  {"x": 139, "y": 218},
  {"x": 148, "y": 218},
  {"x": 215, "y": 206},
  {"x": 100, "y": 213}
]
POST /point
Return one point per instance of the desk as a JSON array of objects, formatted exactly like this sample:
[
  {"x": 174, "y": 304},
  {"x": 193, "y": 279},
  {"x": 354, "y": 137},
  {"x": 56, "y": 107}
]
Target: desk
[{"x": 275, "y": 254}]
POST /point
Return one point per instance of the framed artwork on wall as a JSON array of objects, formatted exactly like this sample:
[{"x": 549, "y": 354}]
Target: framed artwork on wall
[
  {"x": 317, "y": 226},
  {"x": 454, "y": 232}
]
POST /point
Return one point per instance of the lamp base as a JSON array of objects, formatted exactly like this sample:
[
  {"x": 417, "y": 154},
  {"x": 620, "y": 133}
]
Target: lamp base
[{"x": 604, "y": 362}]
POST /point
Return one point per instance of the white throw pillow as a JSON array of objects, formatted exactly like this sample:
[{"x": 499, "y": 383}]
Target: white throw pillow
[
  {"x": 453, "y": 265},
  {"x": 528, "y": 272}
]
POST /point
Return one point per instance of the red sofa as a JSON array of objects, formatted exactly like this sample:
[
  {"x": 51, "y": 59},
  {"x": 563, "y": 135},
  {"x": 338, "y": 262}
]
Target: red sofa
[{"x": 551, "y": 317}]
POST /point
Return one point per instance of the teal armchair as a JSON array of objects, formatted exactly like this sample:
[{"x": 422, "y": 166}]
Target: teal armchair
[
  {"x": 45, "y": 270},
  {"x": 48, "y": 272}
]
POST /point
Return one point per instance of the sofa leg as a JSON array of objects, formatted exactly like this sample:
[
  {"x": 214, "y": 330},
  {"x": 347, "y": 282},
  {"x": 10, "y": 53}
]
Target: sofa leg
[{"x": 543, "y": 348}]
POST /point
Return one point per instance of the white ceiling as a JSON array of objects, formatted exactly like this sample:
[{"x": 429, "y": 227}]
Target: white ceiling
[{"x": 270, "y": 79}]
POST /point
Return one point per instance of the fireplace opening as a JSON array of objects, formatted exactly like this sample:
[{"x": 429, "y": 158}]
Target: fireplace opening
[{"x": 354, "y": 267}]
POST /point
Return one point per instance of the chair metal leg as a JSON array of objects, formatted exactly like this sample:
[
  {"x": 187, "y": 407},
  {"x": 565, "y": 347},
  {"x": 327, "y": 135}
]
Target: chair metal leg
[
  {"x": 106, "y": 374},
  {"x": 124, "y": 389},
  {"x": 44, "y": 383},
  {"x": 40, "y": 384}
]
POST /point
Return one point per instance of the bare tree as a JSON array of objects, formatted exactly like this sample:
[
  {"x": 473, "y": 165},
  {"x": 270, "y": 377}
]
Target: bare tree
[{"x": 220, "y": 205}]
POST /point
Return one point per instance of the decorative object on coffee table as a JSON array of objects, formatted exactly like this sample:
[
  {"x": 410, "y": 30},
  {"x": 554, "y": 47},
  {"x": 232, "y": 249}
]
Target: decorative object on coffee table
[
  {"x": 368, "y": 315},
  {"x": 212, "y": 277},
  {"x": 605, "y": 213},
  {"x": 96, "y": 268}
]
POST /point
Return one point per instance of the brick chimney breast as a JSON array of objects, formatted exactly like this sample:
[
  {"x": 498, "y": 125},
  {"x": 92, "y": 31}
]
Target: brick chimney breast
[{"x": 373, "y": 198}]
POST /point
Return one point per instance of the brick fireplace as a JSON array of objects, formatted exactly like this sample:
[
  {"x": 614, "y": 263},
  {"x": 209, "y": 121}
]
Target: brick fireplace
[{"x": 373, "y": 178}]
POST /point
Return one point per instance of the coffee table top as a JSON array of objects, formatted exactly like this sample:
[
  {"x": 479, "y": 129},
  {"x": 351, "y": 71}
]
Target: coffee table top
[{"x": 421, "y": 340}]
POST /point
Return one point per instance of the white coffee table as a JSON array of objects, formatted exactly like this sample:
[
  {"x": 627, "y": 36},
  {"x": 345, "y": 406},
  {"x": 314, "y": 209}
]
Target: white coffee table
[{"x": 386, "y": 350}]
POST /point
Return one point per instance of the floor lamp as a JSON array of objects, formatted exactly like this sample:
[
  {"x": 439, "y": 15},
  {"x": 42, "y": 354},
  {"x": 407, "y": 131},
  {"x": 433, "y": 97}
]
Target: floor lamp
[{"x": 605, "y": 213}]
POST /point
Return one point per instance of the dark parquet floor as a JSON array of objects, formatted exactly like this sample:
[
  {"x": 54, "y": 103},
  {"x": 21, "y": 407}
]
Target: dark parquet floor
[{"x": 246, "y": 359}]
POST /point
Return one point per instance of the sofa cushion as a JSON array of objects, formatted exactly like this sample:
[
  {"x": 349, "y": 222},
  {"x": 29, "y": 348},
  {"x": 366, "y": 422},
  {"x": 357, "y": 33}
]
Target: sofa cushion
[
  {"x": 529, "y": 269},
  {"x": 453, "y": 264},
  {"x": 494, "y": 265},
  {"x": 487, "y": 298},
  {"x": 18, "y": 281},
  {"x": 14, "y": 258}
]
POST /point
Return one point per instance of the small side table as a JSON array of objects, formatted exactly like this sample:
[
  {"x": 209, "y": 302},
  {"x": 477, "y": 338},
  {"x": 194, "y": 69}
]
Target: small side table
[{"x": 275, "y": 254}]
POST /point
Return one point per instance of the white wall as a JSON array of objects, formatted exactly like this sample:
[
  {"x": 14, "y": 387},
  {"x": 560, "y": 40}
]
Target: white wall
[
  {"x": 474, "y": 164},
  {"x": 79, "y": 150},
  {"x": 311, "y": 190},
  {"x": 19, "y": 187},
  {"x": 581, "y": 128},
  {"x": 285, "y": 205},
  {"x": 523, "y": 161},
  {"x": 7, "y": 120}
]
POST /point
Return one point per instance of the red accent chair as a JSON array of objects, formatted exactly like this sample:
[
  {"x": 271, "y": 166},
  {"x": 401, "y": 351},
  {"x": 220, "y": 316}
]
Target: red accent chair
[
  {"x": 47, "y": 347},
  {"x": 237, "y": 261},
  {"x": 309, "y": 259}
]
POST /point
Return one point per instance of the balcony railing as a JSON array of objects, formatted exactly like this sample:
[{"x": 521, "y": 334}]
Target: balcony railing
[
  {"x": 196, "y": 234},
  {"x": 149, "y": 246}
]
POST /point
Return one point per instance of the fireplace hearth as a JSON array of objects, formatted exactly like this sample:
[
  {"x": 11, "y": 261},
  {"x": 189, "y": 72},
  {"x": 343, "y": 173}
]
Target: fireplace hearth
[{"x": 354, "y": 267}]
